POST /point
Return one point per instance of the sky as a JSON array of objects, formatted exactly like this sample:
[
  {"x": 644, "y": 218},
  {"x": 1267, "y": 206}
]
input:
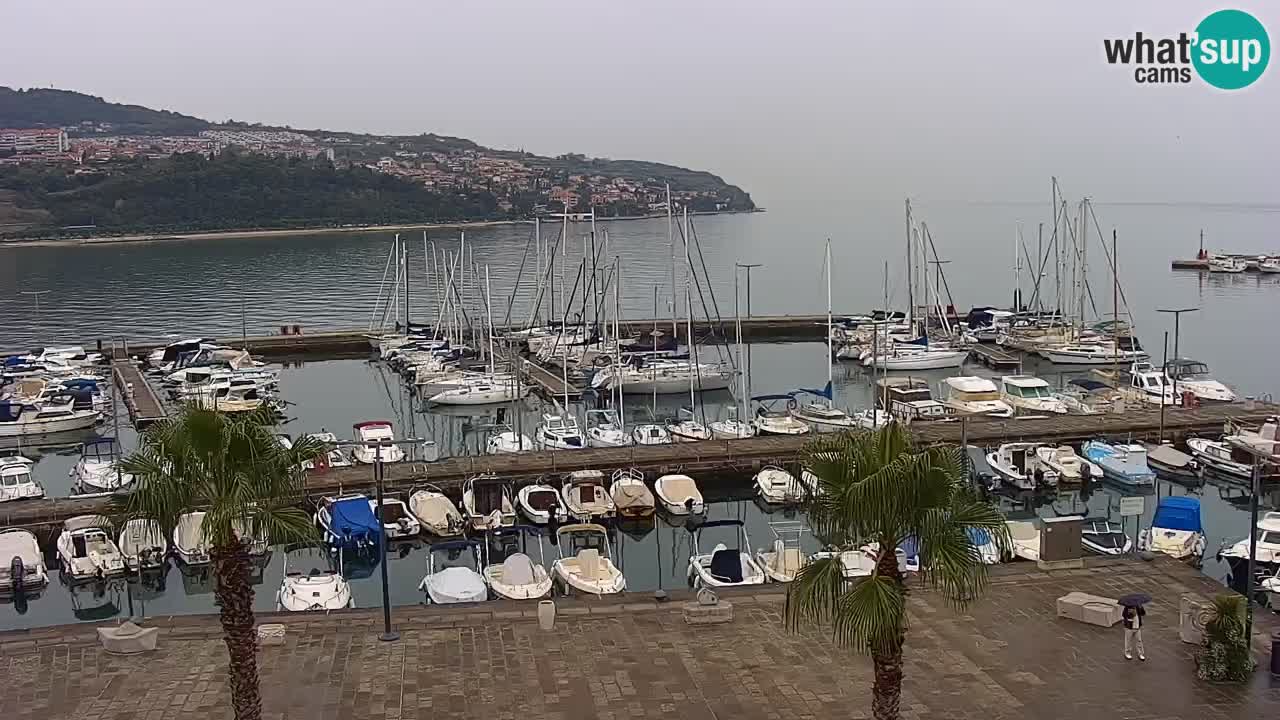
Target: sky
[{"x": 813, "y": 107}]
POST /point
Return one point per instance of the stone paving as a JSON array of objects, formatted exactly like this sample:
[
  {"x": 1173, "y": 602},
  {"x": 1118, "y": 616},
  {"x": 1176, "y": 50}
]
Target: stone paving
[{"x": 1007, "y": 657}]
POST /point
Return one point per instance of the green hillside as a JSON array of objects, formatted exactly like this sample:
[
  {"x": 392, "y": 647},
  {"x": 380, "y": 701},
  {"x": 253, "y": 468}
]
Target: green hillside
[{"x": 41, "y": 107}]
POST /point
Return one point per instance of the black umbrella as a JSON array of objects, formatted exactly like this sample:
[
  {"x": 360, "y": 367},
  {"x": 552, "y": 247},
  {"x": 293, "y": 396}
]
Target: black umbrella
[{"x": 1135, "y": 600}]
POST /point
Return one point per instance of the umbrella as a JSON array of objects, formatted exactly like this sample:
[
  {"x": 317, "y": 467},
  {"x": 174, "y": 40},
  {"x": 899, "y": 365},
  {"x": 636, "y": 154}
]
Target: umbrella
[{"x": 1135, "y": 600}]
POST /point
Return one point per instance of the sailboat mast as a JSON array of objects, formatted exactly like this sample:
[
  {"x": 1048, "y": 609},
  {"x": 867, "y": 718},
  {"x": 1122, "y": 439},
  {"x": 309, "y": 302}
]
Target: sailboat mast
[
  {"x": 911, "y": 298},
  {"x": 617, "y": 344},
  {"x": 737, "y": 338},
  {"x": 488, "y": 308},
  {"x": 671, "y": 244},
  {"x": 404, "y": 260},
  {"x": 830, "y": 342}
]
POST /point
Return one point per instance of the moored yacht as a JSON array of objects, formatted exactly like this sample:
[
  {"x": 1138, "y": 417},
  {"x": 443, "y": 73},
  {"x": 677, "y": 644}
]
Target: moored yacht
[
  {"x": 559, "y": 432},
  {"x": 1030, "y": 394},
  {"x": 16, "y": 480},
  {"x": 1021, "y": 467},
  {"x": 605, "y": 429},
  {"x": 1151, "y": 385},
  {"x": 1194, "y": 376},
  {"x": 971, "y": 395}
]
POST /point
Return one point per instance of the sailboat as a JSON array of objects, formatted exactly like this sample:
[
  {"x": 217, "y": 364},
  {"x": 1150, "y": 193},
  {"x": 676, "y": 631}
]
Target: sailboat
[
  {"x": 733, "y": 427},
  {"x": 825, "y": 416}
]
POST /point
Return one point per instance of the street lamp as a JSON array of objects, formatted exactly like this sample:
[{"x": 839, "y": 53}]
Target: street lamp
[
  {"x": 1177, "y": 325},
  {"x": 1255, "y": 488},
  {"x": 747, "y": 267}
]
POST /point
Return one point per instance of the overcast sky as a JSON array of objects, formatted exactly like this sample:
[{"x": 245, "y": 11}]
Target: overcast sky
[{"x": 805, "y": 104}]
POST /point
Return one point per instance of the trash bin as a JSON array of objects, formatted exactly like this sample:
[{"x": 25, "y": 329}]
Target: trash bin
[{"x": 1275, "y": 653}]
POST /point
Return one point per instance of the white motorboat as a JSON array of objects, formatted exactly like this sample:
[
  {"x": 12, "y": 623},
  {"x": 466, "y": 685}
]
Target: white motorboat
[
  {"x": 435, "y": 512},
  {"x": 971, "y": 395},
  {"x": 541, "y": 503},
  {"x": 1029, "y": 394},
  {"x": 823, "y": 417},
  {"x": 22, "y": 566},
  {"x": 585, "y": 563},
  {"x": 559, "y": 432},
  {"x": 1021, "y": 466},
  {"x": 397, "y": 521},
  {"x": 724, "y": 566},
  {"x": 333, "y": 456},
  {"x": 486, "y": 503},
  {"x": 1267, "y": 534},
  {"x": 905, "y": 356},
  {"x": 604, "y": 429},
  {"x": 318, "y": 590},
  {"x": 908, "y": 399},
  {"x": 1217, "y": 456},
  {"x": 16, "y": 480},
  {"x": 778, "y": 422},
  {"x": 650, "y": 434},
  {"x": 1069, "y": 465},
  {"x": 777, "y": 486},
  {"x": 143, "y": 545},
  {"x": 1083, "y": 396},
  {"x": 786, "y": 558},
  {"x": 369, "y": 434},
  {"x": 1025, "y": 538},
  {"x": 347, "y": 523},
  {"x": 1225, "y": 264},
  {"x": 453, "y": 575},
  {"x": 54, "y": 416},
  {"x": 507, "y": 440},
  {"x": 984, "y": 545},
  {"x": 585, "y": 496},
  {"x": 189, "y": 543},
  {"x": 1175, "y": 529},
  {"x": 631, "y": 496},
  {"x": 731, "y": 427},
  {"x": 1269, "y": 265},
  {"x": 1152, "y": 385},
  {"x": 86, "y": 551},
  {"x": 98, "y": 470},
  {"x": 687, "y": 428},
  {"x": 679, "y": 495},
  {"x": 232, "y": 398},
  {"x": 1104, "y": 537},
  {"x": 1125, "y": 463},
  {"x": 871, "y": 418},
  {"x": 518, "y": 577},
  {"x": 1194, "y": 376},
  {"x": 854, "y": 564},
  {"x": 1090, "y": 353}
]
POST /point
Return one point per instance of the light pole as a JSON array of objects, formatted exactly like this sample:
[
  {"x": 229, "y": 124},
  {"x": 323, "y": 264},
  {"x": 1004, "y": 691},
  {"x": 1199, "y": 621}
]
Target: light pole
[
  {"x": 1177, "y": 326},
  {"x": 747, "y": 267},
  {"x": 388, "y": 635}
]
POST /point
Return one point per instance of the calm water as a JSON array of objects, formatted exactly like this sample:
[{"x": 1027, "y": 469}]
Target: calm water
[{"x": 331, "y": 281}]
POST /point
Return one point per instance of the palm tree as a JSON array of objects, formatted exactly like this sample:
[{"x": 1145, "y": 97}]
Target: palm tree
[
  {"x": 879, "y": 488},
  {"x": 249, "y": 484}
]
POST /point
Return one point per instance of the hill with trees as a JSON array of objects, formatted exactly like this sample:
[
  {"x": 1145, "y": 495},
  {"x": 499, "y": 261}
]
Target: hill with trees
[{"x": 46, "y": 107}]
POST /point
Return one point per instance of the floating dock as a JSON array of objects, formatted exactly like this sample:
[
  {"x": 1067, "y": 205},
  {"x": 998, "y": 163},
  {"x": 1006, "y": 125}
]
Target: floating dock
[
  {"x": 546, "y": 380},
  {"x": 995, "y": 357},
  {"x": 139, "y": 397},
  {"x": 713, "y": 456}
]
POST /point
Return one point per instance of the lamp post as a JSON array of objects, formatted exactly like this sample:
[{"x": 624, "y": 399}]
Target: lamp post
[
  {"x": 747, "y": 267},
  {"x": 388, "y": 635},
  {"x": 1177, "y": 326}
]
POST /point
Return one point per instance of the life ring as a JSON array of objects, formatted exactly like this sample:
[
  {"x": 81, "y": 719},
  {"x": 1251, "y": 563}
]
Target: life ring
[{"x": 792, "y": 404}]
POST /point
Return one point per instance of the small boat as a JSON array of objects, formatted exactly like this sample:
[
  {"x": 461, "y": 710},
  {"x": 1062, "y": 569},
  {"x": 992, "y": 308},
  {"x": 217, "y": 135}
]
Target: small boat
[
  {"x": 1217, "y": 456},
  {"x": 731, "y": 428},
  {"x": 319, "y": 589},
  {"x": 1020, "y": 465},
  {"x": 604, "y": 429},
  {"x": 98, "y": 470},
  {"x": 16, "y": 480},
  {"x": 22, "y": 566},
  {"x": 486, "y": 503},
  {"x": 541, "y": 503},
  {"x": 1151, "y": 385},
  {"x": 1030, "y": 394},
  {"x": 854, "y": 564},
  {"x": 435, "y": 512},
  {"x": 487, "y": 391},
  {"x": 333, "y": 456},
  {"x": 1268, "y": 541},
  {"x": 585, "y": 564},
  {"x": 776, "y": 422},
  {"x": 871, "y": 418},
  {"x": 908, "y": 399},
  {"x": 687, "y": 428},
  {"x": 1123, "y": 463},
  {"x": 453, "y": 575},
  {"x": 189, "y": 543},
  {"x": 1225, "y": 264},
  {"x": 724, "y": 566},
  {"x": 984, "y": 545},
  {"x": 53, "y": 416},
  {"x": 971, "y": 395},
  {"x": 786, "y": 558},
  {"x": 907, "y": 554},
  {"x": 397, "y": 521},
  {"x": 1175, "y": 530},
  {"x": 1083, "y": 396},
  {"x": 1069, "y": 466},
  {"x": 651, "y": 434},
  {"x": 369, "y": 434},
  {"x": 1025, "y": 538},
  {"x": 777, "y": 486},
  {"x": 518, "y": 577},
  {"x": 507, "y": 440},
  {"x": 585, "y": 496},
  {"x": 679, "y": 495},
  {"x": 908, "y": 356},
  {"x": 86, "y": 551},
  {"x": 1090, "y": 353},
  {"x": 559, "y": 432},
  {"x": 631, "y": 496},
  {"x": 1104, "y": 537},
  {"x": 1269, "y": 265},
  {"x": 1173, "y": 464},
  {"x": 143, "y": 545},
  {"x": 347, "y": 523},
  {"x": 1194, "y": 376}
]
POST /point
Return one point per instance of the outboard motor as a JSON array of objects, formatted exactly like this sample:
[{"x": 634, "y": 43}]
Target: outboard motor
[{"x": 18, "y": 571}]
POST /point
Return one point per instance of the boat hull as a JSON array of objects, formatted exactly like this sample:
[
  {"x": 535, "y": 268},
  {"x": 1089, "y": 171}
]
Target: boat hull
[{"x": 78, "y": 420}]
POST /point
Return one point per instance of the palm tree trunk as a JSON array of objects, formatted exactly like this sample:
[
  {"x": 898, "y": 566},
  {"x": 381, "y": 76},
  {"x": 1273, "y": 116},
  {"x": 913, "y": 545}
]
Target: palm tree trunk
[
  {"x": 234, "y": 595},
  {"x": 886, "y": 690}
]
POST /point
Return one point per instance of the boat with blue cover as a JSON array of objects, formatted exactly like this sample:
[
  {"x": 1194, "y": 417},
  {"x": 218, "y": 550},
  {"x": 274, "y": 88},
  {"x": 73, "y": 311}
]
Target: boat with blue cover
[
  {"x": 1175, "y": 530},
  {"x": 1125, "y": 463},
  {"x": 348, "y": 523}
]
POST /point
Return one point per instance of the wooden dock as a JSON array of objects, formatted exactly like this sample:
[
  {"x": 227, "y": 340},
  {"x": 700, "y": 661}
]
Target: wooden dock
[
  {"x": 546, "y": 380},
  {"x": 720, "y": 457},
  {"x": 995, "y": 357},
  {"x": 139, "y": 397}
]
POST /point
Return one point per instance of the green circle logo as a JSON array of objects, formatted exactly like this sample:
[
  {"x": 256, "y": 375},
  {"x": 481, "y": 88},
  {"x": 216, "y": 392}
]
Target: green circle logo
[{"x": 1232, "y": 49}]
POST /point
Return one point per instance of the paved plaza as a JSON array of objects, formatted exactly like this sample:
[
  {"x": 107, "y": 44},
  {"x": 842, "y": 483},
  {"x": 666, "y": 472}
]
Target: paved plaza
[{"x": 1007, "y": 657}]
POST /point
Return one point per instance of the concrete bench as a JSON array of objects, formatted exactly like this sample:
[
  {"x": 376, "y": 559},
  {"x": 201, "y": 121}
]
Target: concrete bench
[{"x": 1091, "y": 609}]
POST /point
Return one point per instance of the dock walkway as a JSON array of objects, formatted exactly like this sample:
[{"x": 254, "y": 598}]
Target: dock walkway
[
  {"x": 139, "y": 397},
  {"x": 995, "y": 357}
]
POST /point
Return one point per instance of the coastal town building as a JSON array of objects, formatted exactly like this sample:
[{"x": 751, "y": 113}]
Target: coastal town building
[{"x": 33, "y": 140}]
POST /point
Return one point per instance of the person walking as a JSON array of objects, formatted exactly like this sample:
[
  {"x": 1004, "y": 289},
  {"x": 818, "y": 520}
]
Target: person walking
[{"x": 1134, "y": 618}]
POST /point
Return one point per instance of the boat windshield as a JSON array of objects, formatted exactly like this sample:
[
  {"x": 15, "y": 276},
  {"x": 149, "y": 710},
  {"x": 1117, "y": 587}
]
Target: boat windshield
[
  {"x": 1037, "y": 391},
  {"x": 1265, "y": 537},
  {"x": 390, "y": 513},
  {"x": 1194, "y": 371}
]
